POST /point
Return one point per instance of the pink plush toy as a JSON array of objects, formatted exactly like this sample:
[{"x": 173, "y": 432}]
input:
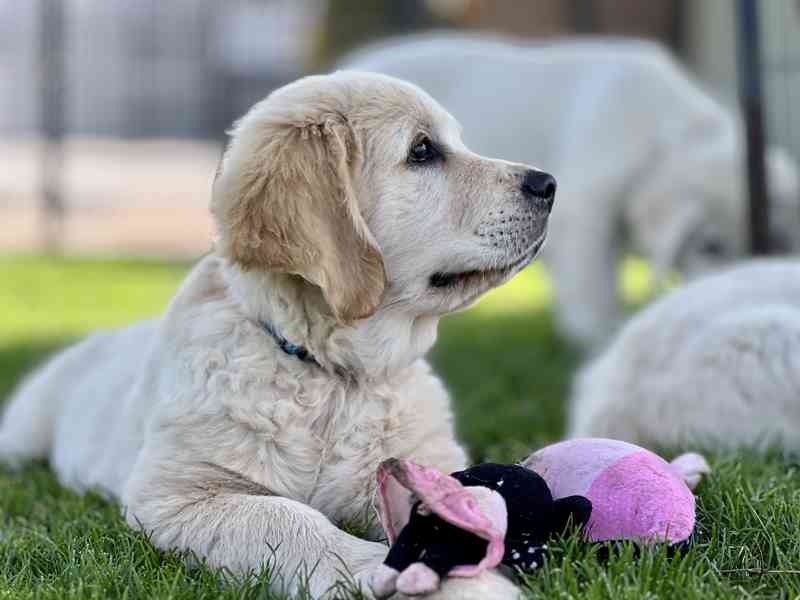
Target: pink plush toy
[{"x": 635, "y": 494}]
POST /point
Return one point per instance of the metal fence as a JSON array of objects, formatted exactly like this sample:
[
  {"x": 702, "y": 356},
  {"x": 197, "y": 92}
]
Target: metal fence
[
  {"x": 127, "y": 70},
  {"x": 144, "y": 68}
]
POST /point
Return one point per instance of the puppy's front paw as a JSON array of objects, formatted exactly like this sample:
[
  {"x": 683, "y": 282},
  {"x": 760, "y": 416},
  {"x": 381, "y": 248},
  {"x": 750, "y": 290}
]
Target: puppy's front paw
[
  {"x": 489, "y": 585},
  {"x": 417, "y": 579}
]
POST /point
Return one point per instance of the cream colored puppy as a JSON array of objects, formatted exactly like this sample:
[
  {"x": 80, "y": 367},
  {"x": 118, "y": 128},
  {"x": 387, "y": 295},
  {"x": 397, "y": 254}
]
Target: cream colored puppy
[
  {"x": 715, "y": 364},
  {"x": 250, "y": 419}
]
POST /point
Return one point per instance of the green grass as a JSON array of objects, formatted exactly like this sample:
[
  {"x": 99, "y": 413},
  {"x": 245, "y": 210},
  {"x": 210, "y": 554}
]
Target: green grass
[{"x": 509, "y": 373}]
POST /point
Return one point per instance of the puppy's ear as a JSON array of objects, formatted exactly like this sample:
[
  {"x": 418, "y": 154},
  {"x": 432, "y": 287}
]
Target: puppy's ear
[{"x": 283, "y": 201}]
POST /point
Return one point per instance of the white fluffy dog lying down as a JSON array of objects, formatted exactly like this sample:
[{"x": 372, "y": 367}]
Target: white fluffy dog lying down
[
  {"x": 251, "y": 418},
  {"x": 644, "y": 157},
  {"x": 715, "y": 364}
]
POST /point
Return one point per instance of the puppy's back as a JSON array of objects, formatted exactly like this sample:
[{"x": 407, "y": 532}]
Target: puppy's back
[{"x": 715, "y": 364}]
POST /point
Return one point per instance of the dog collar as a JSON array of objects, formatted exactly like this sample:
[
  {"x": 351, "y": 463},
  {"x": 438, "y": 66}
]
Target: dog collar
[{"x": 301, "y": 352}]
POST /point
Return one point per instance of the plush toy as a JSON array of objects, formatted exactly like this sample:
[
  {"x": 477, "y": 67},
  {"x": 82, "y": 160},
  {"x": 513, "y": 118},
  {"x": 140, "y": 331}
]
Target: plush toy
[
  {"x": 463, "y": 523},
  {"x": 635, "y": 494},
  {"x": 475, "y": 519}
]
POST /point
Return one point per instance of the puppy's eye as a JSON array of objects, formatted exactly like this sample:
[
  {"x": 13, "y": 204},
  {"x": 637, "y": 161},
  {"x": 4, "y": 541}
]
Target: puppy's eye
[{"x": 422, "y": 151}]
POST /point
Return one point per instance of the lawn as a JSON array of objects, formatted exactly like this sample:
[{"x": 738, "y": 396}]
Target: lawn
[{"x": 509, "y": 373}]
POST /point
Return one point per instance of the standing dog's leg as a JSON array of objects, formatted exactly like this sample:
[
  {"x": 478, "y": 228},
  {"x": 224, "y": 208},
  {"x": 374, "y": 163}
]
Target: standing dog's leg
[{"x": 583, "y": 261}]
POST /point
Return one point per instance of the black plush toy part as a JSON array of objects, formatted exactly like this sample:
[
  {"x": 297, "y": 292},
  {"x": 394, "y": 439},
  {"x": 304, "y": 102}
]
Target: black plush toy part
[{"x": 533, "y": 515}]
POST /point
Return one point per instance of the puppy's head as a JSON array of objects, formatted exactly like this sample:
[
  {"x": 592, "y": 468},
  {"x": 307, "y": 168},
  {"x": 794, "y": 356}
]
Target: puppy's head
[
  {"x": 360, "y": 185},
  {"x": 692, "y": 214}
]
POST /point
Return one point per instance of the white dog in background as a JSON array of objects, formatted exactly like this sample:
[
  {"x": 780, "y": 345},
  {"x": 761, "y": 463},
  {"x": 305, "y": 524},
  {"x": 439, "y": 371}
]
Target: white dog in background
[
  {"x": 644, "y": 157},
  {"x": 251, "y": 418},
  {"x": 714, "y": 364}
]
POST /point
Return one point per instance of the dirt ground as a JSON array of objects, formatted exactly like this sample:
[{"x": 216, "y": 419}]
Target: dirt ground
[{"x": 123, "y": 198}]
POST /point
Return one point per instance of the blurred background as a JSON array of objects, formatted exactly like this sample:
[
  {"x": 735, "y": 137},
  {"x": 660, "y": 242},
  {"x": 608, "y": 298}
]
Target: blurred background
[{"x": 112, "y": 112}]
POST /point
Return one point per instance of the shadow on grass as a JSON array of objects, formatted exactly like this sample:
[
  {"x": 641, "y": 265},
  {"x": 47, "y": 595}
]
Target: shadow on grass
[
  {"x": 509, "y": 376},
  {"x": 19, "y": 358}
]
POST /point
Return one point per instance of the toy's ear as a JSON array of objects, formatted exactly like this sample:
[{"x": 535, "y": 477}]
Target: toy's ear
[
  {"x": 571, "y": 512},
  {"x": 691, "y": 467},
  {"x": 393, "y": 502}
]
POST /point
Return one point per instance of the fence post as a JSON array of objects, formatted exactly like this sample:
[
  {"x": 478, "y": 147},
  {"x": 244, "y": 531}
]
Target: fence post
[
  {"x": 51, "y": 106},
  {"x": 751, "y": 98}
]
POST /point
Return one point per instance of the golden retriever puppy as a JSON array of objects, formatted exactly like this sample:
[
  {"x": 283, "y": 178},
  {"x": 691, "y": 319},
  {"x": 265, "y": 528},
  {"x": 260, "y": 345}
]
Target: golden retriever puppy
[{"x": 250, "y": 419}]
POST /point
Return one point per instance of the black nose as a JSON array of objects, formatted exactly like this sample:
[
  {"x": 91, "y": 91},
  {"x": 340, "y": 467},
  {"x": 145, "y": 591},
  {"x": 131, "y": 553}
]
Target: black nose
[{"x": 540, "y": 186}]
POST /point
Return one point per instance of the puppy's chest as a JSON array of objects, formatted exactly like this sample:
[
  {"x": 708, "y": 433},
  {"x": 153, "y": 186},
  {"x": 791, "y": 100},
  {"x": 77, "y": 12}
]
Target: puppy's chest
[
  {"x": 321, "y": 443},
  {"x": 364, "y": 434},
  {"x": 351, "y": 436}
]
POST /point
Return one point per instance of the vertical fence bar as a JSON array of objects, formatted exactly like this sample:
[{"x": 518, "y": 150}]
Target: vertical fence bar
[
  {"x": 751, "y": 97},
  {"x": 583, "y": 15},
  {"x": 51, "y": 106}
]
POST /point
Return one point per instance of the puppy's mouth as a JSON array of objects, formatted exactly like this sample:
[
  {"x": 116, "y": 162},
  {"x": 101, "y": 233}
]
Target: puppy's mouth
[{"x": 442, "y": 279}]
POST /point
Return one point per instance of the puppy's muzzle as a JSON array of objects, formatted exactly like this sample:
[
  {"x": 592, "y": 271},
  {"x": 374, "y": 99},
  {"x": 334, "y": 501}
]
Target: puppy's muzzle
[{"x": 540, "y": 188}]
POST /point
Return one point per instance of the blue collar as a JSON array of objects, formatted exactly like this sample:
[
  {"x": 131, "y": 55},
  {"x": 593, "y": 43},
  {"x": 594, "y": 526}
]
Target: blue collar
[{"x": 301, "y": 352}]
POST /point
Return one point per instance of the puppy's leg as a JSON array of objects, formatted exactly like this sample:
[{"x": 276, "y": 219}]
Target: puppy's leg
[
  {"x": 583, "y": 260},
  {"x": 489, "y": 585},
  {"x": 29, "y": 421},
  {"x": 235, "y": 523}
]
